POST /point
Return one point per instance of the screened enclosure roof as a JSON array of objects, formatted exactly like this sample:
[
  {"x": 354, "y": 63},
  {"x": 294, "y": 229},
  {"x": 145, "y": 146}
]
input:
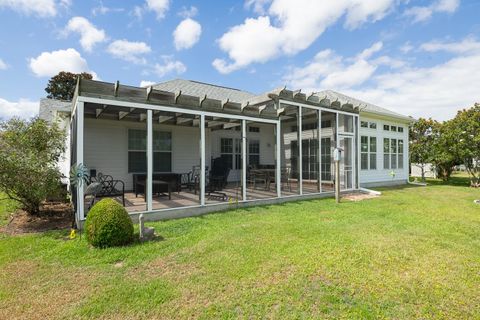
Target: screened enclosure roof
[{"x": 192, "y": 95}]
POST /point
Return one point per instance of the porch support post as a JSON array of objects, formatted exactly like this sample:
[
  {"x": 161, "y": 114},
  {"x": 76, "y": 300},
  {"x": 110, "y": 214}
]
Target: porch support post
[
  {"x": 337, "y": 143},
  {"x": 319, "y": 151},
  {"x": 357, "y": 152},
  {"x": 80, "y": 191},
  {"x": 278, "y": 171},
  {"x": 300, "y": 151},
  {"x": 244, "y": 160},
  {"x": 202, "y": 159},
  {"x": 148, "y": 188}
]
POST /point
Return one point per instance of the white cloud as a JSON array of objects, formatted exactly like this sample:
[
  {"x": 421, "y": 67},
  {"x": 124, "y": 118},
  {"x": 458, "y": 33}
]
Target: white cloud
[
  {"x": 101, "y": 9},
  {"x": 469, "y": 44},
  {"x": 329, "y": 70},
  {"x": 406, "y": 47},
  {"x": 436, "y": 91},
  {"x": 290, "y": 27},
  {"x": 48, "y": 64},
  {"x": 3, "y": 65},
  {"x": 160, "y": 7},
  {"x": 22, "y": 108},
  {"x": 188, "y": 12},
  {"x": 424, "y": 13},
  {"x": 89, "y": 34},
  {"x": 40, "y": 8},
  {"x": 146, "y": 83},
  {"x": 187, "y": 34},
  {"x": 129, "y": 50},
  {"x": 169, "y": 65}
]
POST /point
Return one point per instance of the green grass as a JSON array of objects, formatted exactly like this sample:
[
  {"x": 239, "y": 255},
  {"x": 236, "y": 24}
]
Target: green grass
[{"x": 412, "y": 253}]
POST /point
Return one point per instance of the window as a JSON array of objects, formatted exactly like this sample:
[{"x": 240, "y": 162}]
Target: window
[
  {"x": 386, "y": 127},
  {"x": 368, "y": 156},
  {"x": 226, "y": 151},
  {"x": 364, "y": 124},
  {"x": 400, "y": 154},
  {"x": 400, "y": 129},
  {"x": 137, "y": 151},
  {"x": 393, "y": 153},
  {"x": 386, "y": 153},
  {"x": 254, "y": 152},
  {"x": 393, "y": 128},
  {"x": 373, "y": 125},
  {"x": 238, "y": 154},
  {"x": 373, "y": 153},
  {"x": 253, "y": 129},
  {"x": 364, "y": 153}
]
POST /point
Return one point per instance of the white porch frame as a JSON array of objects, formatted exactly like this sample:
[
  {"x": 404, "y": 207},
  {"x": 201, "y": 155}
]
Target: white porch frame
[{"x": 79, "y": 113}]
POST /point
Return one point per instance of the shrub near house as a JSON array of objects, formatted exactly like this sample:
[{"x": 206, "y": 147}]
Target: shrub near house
[{"x": 108, "y": 225}]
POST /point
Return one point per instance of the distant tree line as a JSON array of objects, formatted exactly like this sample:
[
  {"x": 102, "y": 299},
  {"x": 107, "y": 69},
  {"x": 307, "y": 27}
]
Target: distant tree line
[{"x": 447, "y": 144}]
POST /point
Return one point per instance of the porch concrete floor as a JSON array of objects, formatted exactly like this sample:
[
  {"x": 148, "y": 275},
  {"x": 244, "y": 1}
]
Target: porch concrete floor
[{"x": 187, "y": 197}]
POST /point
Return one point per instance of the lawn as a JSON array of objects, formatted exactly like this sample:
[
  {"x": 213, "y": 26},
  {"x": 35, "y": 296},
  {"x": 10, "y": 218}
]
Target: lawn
[{"x": 412, "y": 253}]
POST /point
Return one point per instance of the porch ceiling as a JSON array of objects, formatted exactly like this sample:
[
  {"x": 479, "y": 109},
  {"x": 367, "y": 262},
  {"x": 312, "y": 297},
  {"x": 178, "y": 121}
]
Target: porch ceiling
[{"x": 262, "y": 106}]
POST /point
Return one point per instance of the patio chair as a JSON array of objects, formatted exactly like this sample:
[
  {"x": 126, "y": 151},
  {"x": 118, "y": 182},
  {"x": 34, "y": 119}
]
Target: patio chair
[
  {"x": 92, "y": 190},
  {"x": 217, "y": 179},
  {"x": 110, "y": 188},
  {"x": 255, "y": 176},
  {"x": 285, "y": 178}
]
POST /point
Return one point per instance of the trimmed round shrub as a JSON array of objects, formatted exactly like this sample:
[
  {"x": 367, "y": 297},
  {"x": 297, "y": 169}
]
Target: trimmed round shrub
[{"x": 108, "y": 225}]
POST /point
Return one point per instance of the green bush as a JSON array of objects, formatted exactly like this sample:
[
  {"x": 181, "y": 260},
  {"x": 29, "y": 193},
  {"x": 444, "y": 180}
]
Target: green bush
[{"x": 108, "y": 225}]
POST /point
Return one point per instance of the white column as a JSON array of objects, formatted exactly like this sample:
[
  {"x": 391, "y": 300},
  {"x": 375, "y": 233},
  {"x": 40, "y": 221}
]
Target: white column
[
  {"x": 278, "y": 171},
  {"x": 79, "y": 133},
  {"x": 336, "y": 131},
  {"x": 300, "y": 150},
  {"x": 202, "y": 160},
  {"x": 319, "y": 150},
  {"x": 356, "y": 144},
  {"x": 244, "y": 160},
  {"x": 148, "y": 188}
]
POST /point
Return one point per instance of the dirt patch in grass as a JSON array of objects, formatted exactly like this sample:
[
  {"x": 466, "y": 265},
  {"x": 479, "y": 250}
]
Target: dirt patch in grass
[
  {"x": 53, "y": 216},
  {"x": 37, "y": 291},
  {"x": 359, "y": 196}
]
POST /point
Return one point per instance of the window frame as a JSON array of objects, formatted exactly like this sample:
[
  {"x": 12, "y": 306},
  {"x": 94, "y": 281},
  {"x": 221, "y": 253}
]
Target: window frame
[
  {"x": 156, "y": 151},
  {"x": 368, "y": 153}
]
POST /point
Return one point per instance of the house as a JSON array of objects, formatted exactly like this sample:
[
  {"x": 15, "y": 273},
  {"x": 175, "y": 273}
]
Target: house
[{"x": 182, "y": 148}]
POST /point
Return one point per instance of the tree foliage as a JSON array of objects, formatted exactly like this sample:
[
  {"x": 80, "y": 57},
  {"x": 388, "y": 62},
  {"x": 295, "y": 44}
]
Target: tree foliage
[
  {"x": 62, "y": 86},
  {"x": 464, "y": 132},
  {"x": 29, "y": 153},
  {"x": 423, "y": 134}
]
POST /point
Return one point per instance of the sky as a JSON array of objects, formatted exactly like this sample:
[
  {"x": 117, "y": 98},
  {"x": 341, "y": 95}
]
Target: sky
[{"x": 418, "y": 58}]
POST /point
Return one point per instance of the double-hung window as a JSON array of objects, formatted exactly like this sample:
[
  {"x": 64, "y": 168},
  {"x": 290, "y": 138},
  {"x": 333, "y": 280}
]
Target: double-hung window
[
  {"x": 368, "y": 153},
  {"x": 226, "y": 151},
  {"x": 254, "y": 152},
  {"x": 137, "y": 151},
  {"x": 393, "y": 153}
]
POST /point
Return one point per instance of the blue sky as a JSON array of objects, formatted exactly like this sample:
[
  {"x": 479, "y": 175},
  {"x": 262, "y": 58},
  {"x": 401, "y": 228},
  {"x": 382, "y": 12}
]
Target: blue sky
[{"x": 419, "y": 58}]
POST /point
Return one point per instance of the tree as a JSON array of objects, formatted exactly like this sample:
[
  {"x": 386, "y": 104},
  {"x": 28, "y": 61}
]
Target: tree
[
  {"x": 422, "y": 136},
  {"x": 62, "y": 86},
  {"x": 444, "y": 158},
  {"x": 29, "y": 152},
  {"x": 465, "y": 132}
]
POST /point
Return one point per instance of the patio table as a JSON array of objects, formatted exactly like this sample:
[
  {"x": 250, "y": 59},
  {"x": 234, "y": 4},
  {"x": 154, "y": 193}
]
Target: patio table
[{"x": 156, "y": 183}]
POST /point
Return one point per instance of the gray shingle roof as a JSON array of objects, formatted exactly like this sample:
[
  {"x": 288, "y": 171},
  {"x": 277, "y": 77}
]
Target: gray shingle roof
[
  {"x": 200, "y": 89},
  {"x": 196, "y": 88},
  {"x": 364, "y": 106}
]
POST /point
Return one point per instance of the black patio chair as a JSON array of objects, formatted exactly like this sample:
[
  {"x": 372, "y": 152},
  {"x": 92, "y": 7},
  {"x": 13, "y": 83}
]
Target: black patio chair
[
  {"x": 217, "y": 179},
  {"x": 110, "y": 188}
]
